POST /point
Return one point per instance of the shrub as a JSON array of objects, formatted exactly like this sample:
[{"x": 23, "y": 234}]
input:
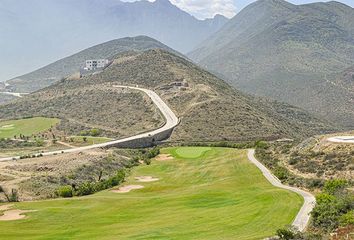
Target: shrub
[
  {"x": 86, "y": 188},
  {"x": 281, "y": 172},
  {"x": 347, "y": 219},
  {"x": 95, "y": 132},
  {"x": 261, "y": 144},
  {"x": 334, "y": 186},
  {"x": 285, "y": 234},
  {"x": 65, "y": 191}
]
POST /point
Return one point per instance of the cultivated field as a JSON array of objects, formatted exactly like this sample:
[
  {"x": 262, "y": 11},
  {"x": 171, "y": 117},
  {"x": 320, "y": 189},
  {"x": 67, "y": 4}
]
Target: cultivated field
[
  {"x": 27, "y": 126},
  {"x": 188, "y": 193}
]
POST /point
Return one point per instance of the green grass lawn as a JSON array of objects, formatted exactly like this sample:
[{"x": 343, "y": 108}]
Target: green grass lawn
[
  {"x": 27, "y": 126},
  {"x": 204, "y": 193}
]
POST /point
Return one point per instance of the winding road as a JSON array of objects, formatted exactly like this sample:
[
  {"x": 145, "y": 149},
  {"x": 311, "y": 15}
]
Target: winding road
[
  {"x": 171, "y": 121},
  {"x": 341, "y": 139},
  {"x": 303, "y": 216}
]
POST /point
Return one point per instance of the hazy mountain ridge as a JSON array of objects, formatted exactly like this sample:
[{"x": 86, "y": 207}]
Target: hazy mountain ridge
[
  {"x": 287, "y": 52},
  {"x": 51, "y": 73},
  {"x": 47, "y": 30}
]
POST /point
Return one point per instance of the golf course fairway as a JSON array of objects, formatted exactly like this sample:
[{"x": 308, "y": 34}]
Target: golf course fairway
[
  {"x": 203, "y": 193},
  {"x": 26, "y": 126}
]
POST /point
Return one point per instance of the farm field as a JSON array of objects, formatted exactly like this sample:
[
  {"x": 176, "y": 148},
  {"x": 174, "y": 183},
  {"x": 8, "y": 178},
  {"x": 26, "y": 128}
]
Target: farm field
[
  {"x": 27, "y": 126},
  {"x": 200, "y": 193}
]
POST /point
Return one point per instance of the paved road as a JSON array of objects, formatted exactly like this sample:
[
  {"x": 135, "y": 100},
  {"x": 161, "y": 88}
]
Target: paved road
[
  {"x": 14, "y": 94},
  {"x": 341, "y": 139},
  {"x": 303, "y": 216},
  {"x": 170, "y": 117}
]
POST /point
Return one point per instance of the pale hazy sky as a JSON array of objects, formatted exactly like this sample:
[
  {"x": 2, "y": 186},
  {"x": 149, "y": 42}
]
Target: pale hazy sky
[{"x": 208, "y": 8}]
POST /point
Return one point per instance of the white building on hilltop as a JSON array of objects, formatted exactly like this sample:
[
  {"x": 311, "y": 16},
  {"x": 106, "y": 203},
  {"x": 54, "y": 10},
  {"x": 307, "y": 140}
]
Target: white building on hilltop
[{"x": 96, "y": 63}]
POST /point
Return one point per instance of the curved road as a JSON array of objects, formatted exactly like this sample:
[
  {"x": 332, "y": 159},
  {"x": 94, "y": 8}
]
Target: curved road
[
  {"x": 303, "y": 217},
  {"x": 170, "y": 117},
  {"x": 341, "y": 139}
]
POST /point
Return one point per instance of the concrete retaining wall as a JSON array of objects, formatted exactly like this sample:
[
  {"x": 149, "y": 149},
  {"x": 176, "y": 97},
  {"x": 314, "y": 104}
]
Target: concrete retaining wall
[{"x": 148, "y": 141}]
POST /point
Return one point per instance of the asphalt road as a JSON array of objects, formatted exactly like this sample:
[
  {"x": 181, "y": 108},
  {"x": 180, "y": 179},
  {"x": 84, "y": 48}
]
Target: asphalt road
[
  {"x": 303, "y": 217},
  {"x": 341, "y": 139},
  {"x": 171, "y": 121}
]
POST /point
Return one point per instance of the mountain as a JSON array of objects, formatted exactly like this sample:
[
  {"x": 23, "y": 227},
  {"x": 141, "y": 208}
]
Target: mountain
[
  {"x": 51, "y": 73},
  {"x": 291, "y": 53},
  {"x": 47, "y": 30},
  {"x": 210, "y": 109}
]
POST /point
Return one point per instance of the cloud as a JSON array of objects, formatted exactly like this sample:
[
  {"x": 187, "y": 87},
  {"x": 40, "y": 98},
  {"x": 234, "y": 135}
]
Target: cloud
[
  {"x": 207, "y": 8},
  {"x": 204, "y": 8}
]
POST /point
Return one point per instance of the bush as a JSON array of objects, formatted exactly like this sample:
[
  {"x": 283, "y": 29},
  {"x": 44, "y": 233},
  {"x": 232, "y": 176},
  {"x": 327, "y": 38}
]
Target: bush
[
  {"x": 65, "y": 191},
  {"x": 334, "y": 186},
  {"x": 86, "y": 188},
  {"x": 281, "y": 172},
  {"x": 95, "y": 132},
  {"x": 347, "y": 219},
  {"x": 261, "y": 144},
  {"x": 334, "y": 207},
  {"x": 285, "y": 234}
]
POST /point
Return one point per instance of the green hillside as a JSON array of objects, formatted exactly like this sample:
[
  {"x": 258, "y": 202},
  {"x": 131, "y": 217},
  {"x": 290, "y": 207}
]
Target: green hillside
[
  {"x": 291, "y": 53},
  {"x": 210, "y": 110},
  {"x": 208, "y": 193}
]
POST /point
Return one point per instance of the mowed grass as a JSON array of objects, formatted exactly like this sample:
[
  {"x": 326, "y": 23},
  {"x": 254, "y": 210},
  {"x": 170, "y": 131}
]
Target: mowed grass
[
  {"x": 27, "y": 126},
  {"x": 218, "y": 195}
]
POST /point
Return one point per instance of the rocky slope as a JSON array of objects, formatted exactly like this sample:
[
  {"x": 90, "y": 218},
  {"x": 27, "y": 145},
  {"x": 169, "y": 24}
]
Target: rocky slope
[
  {"x": 291, "y": 53},
  {"x": 210, "y": 110}
]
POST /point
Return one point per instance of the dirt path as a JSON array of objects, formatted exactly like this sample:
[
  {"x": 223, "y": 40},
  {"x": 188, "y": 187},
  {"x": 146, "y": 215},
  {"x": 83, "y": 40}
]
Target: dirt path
[{"x": 303, "y": 217}]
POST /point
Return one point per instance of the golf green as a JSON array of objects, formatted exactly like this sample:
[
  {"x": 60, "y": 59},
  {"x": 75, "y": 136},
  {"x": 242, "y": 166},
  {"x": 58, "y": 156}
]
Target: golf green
[{"x": 218, "y": 195}]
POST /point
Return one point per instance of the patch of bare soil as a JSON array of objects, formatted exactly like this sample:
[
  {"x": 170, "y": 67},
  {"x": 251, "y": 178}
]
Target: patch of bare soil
[
  {"x": 164, "y": 157},
  {"x": 18, "y": 174},
  {"x": 126, "y": 189},
  {"x": 13, "y": 214},
  {"x": 146, "y": 179}
]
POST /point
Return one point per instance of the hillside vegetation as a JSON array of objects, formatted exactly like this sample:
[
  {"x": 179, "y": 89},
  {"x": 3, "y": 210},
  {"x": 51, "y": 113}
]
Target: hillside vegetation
[
  {"x": 208, "y": 107},
  {"x": 65, "y": 67},
  {"x": 291, "y": 53}
]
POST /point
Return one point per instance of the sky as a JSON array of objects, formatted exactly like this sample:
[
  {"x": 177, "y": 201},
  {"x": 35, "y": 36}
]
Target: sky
[{"x": 202, "y": 9}]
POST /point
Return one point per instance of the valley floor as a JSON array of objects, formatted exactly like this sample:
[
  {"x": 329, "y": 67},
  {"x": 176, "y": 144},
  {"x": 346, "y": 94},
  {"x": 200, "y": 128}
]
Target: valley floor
[{"x": 189, "y": 193}]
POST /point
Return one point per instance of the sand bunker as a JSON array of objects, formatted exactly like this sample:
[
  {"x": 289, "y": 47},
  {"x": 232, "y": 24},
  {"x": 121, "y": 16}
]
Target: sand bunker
[
  {"x": 6, "y": 207},
  {"x": 14, "y": 214},
  {"x": 7, "y": 126},
  {"x": 128, "y": 188},
  {"x": 164, "y": 157},
  {"x": 146, "y": 179}
]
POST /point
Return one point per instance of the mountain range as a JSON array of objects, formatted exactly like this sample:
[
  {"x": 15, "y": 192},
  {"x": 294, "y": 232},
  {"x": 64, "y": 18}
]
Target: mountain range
[
  {"x": 65, "y": 67},
  {"x": 298, "y": 54},
  {"x": 35, "y": 34}
]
